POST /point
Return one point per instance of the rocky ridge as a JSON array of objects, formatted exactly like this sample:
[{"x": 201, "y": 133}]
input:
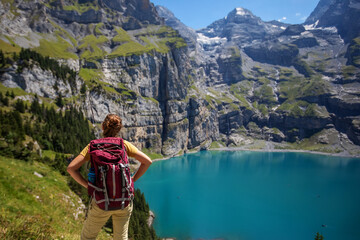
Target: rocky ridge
[{"x": 238, "y": 80}]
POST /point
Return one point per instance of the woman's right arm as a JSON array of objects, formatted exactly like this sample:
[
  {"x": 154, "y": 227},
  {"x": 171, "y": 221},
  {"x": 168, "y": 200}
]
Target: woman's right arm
[
  {"x": 73, "y": 170},
  {"x": 145, "y": 163}
]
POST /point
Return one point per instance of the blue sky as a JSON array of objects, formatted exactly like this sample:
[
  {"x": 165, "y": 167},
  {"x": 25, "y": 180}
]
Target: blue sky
[{"x": 201, "y": 13}]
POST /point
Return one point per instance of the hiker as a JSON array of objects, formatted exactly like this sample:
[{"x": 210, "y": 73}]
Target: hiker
[{"x": 97, "y": 215}]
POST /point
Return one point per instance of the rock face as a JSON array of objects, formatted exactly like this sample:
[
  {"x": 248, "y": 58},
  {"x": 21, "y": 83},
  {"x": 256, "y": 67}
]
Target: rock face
[
  {"x": 186, "y": 32},
  {"x": 342, "y": 14},
  {"x": 237, "y": 80},
  {"x": 294, "y": 30},
  {"x": 87, "y": 17},
  {"x": 273, "y": 53}
]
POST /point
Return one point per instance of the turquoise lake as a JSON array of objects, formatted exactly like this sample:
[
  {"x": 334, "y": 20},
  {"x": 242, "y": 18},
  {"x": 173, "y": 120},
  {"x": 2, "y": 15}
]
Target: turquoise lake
[{"x": 254, "y": 196}]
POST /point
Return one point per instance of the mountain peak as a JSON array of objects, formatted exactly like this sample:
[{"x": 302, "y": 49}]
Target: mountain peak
[
  {"x": 242, "y": 16},
  {"x": 240, "y": 11}
]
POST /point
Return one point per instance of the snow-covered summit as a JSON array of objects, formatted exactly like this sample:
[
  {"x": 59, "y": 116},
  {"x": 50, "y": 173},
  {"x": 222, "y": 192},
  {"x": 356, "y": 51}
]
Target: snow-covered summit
[{"x": 240, "y": 11}]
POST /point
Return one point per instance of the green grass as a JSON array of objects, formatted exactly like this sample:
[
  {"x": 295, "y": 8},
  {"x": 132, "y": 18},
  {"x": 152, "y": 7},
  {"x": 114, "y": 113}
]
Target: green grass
[
  {"x": 285, "y": 73},
  {"x": 122, "y": 36},
  {"x": 265, "y": 94},
  {"x": 63, "y": 33},
  {"x": 242, "y": 87},
  {"x": 297, "y": 87},
  {"x": 34, "y": 207},
  {"x": 7, "y": 48},
  {"x": 128, "y": 49},
  {"x": 17, "y": 91},
  {"x": 314, "y": 87},
  {"x": 88, "y": 74},
  {"x": 49, "y": 153},
  {"x": 98, "y": 28},
  {"x": 81, "y": 8},
  {"x": 56, "y": 49},
  {"x": 216, "y": 144},
  {"x": 151, "y": 99},
  {"x": 93, "y": 79},
  {"x": 161, "y": 39},
  {"x": 309, "y": 144},
  {"x": 303, "y": 109},
  {"x": 354, "y": 51},
  {"x": 90, "y": 47},
  {"x": 150, "y": 39},
  {"x": 153, "y": 155},
  {"x": 124, "y": 90},
  {"x": 240, "y": 91},
  {"x": 258, "y": 71},
  {"x": 294, "y": 108},
  {"x": 243, "y": 101}
]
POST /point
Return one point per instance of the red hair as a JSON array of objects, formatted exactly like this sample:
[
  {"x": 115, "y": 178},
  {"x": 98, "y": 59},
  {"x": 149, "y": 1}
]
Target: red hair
[{"x": 111, "y": 125}]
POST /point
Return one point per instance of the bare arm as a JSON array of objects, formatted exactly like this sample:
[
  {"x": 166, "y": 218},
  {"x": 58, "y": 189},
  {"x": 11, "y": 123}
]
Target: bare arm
[
  {"x": 73, "y": 170},
  {"x": 145, "y": 163}
]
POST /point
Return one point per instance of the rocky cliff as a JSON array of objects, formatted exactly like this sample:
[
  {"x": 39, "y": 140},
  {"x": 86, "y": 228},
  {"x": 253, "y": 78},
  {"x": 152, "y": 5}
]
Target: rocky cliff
[{"x": 230, "y": 84}]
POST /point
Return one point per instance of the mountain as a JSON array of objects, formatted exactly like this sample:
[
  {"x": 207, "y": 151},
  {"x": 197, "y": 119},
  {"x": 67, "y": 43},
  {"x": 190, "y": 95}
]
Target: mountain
[
  {"x": 186, "y": 32},
  {"x": 238, "y": 82},
  {"x": 342, "y": 14},
  {"x": 241, "y": 26}
]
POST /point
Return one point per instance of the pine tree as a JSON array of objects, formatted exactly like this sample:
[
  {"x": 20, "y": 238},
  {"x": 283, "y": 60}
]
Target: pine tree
[
  {"x": 5, "y": 101},
  {"x": 83, "y": 88},
  {"x": 20, "y": 106},
  {"x": 2, "y": 59},
  {"x": 35, "y": 106},
  {"x": 59, "y": 101}
]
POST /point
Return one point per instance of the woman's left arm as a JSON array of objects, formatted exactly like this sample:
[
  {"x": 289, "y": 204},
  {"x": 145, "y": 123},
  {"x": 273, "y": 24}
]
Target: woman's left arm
[{"x": 73, "y": 170}]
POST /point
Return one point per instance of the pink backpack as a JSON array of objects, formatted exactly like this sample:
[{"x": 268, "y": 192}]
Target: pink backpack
[{"x": 112, "y": 187}]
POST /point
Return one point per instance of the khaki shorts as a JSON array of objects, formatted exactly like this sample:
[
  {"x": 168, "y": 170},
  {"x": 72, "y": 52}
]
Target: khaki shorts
[{"x": 97, "y": 218}]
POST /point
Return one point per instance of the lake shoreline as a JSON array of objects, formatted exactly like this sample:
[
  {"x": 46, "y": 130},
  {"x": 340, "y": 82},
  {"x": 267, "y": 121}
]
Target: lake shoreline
[
  {"x": 238, "y": 149},
  {"x": 347, "y": 155}
]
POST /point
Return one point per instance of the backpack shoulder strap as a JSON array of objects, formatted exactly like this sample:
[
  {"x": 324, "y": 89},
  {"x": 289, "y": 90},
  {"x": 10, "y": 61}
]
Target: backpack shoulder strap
[{"x": 121, "y": 143}]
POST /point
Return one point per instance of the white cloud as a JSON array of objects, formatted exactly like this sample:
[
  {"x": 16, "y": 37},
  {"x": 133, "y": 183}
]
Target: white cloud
[
  {"x": 298, "y": 14},
  {"x": 282, "y": 19}
]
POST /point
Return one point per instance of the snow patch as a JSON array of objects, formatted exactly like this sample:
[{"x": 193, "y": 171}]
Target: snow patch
[
  {"x": 314, "y": 27},
  {"x": 316, "y": 23},
  {"x": 311, "y": 26},
  {"x": 210, "y": 41},
  {"x": 240, "y": 11}
]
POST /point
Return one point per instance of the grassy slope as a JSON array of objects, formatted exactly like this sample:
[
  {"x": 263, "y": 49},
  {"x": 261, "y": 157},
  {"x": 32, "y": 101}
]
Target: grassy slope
[{"x": 34, "y": 207}]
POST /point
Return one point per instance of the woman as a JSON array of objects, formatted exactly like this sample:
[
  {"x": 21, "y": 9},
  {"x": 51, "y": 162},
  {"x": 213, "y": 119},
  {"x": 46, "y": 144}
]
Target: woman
[{"x": 97, "y": 217}]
